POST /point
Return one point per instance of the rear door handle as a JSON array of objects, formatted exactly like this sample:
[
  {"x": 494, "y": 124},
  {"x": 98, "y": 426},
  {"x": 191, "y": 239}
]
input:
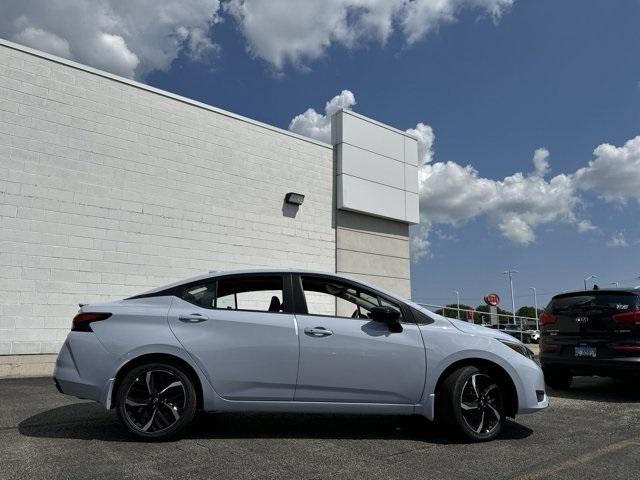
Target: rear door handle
[
  {"x": 318, "y": 332},
  {"x": 192, "y": 318}
]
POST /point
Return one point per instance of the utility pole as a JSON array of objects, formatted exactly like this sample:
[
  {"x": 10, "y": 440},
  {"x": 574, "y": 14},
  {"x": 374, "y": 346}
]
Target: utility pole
[
  {"x": 458, "y": 303},
  {"x": 535, "y": 303},
  {"x": 513, "y": 301},
  {"x": 586, "y": 279}
]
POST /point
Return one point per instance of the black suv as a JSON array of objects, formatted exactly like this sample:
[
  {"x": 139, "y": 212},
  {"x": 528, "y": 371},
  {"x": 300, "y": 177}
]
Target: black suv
[{"x": 594, "y": 332}]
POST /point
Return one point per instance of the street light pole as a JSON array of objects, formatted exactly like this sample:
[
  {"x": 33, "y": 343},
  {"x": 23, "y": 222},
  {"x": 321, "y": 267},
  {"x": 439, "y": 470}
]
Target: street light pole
[
  {"x": 535, "y": 303},
  {"x": 458, "y": 303},
  {"x": 513, "y": 301},
  {"x": 586, "y": 279}
]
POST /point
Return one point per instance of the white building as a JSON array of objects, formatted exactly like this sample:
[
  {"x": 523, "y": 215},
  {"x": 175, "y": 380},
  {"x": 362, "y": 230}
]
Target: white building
[{"x": 109, "y": 187}]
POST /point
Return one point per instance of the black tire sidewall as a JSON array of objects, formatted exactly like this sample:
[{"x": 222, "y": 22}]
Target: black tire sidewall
[
  {"x": 189, "y": 410},
  {"x": 452, "y": 412}
]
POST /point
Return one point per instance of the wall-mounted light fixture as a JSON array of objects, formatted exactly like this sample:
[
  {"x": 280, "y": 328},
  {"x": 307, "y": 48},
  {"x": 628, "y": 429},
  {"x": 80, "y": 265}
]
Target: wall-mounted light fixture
[{"x": 294, "y": 198}]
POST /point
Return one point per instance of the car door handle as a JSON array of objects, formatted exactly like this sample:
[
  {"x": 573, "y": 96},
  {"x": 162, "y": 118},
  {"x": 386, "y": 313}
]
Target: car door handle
[
  {"x": 318, "y": 332},
  {"x": 192, "y": 318}
]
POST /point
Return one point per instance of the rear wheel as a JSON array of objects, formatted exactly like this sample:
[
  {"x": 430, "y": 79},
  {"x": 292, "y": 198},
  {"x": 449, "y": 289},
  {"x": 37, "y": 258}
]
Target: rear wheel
[
  {"x": 471, "y": 405},
  {"x": 156, "y": 401},
  {"x": 557, "y": 378}
]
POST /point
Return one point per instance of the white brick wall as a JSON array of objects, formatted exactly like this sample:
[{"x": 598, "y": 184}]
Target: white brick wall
[{"x": 108, "y": 189}]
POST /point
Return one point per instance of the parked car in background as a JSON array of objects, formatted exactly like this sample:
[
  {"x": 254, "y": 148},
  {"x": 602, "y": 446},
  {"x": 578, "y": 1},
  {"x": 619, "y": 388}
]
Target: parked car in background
[
  {"x": 595, "y": 332},
  {"x": 295, "y": 341}
]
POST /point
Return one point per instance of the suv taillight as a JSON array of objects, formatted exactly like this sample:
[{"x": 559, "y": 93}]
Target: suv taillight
[
  {"x": 547, "y": 318},
  {"x": 628, "y": 318},
  {"x": 82, "y": 321}
]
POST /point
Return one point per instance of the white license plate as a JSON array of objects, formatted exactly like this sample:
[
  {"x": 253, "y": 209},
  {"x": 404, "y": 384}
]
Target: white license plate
[{"x": 585, "y": 351}]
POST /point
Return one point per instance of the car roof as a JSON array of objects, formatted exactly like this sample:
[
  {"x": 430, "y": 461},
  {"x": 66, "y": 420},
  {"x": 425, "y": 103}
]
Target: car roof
[
  {"x": 599, "y": 291},
  {"x": 221, "y": 273}
]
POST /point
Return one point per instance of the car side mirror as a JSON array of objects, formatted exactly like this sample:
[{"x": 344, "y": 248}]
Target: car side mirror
[{"x": 387, "y": 315}]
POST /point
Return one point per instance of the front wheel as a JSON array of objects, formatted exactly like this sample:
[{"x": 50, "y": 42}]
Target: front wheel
[
  {"x": 471, "y": 405},
  {"x": 156, "y": 401}
]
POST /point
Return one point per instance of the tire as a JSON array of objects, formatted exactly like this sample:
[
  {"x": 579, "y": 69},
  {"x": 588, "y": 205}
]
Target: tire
[
  {"x": 557, "y": 378},
  {"x": 156, "y": 401},
  {"x": 471, "y": 387}
]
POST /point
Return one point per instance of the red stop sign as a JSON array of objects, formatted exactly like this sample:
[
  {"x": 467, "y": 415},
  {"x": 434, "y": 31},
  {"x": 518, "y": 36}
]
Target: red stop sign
[{"x": 492, "y": 299}]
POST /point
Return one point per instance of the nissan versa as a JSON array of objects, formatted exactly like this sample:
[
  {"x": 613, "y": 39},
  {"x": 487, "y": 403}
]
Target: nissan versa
[
  {"x": 595, "y": 332},
  {"x": 295, "y": 341}
]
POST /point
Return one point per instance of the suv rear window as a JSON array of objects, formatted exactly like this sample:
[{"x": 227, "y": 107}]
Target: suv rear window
[{"x": 601, "y": 300}]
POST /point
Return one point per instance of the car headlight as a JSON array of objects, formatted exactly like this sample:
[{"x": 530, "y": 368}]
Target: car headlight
[{"x": 520, "y": 348}]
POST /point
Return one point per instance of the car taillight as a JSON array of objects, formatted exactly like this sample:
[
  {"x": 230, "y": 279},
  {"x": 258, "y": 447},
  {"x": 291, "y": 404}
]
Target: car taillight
[
  {"x": 82, "y": 321},
  {"x": 628, "y": 318},
  {"x": 547, "y": 318}
]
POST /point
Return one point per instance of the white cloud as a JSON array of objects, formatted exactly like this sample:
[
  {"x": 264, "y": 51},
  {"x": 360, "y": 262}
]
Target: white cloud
[
  {"x": 617, "y": 240},
  {"x": 453, "y": 194},
  {"x": 130, "y": 38},
  {"x": 614, "y": 174},
  {"x": 541, "y": 162},
  {"x": 317, "y": 125},
  {"x": 426, "y": 137},
  {"x": 276, "y": 35}
]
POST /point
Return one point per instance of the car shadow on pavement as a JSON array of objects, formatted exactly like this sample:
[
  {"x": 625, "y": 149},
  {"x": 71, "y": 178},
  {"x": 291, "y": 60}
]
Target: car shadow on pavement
[
  {"x": 89, "y": 421},
  {"x": 598, "y": 389}
]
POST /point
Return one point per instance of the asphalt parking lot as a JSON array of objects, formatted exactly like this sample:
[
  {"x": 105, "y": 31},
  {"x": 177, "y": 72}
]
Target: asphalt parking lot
[{"x": 591, "y": 431}]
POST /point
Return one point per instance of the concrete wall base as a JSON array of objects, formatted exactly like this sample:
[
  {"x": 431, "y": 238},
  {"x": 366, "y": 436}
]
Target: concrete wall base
[{"x": 19, "y": 366}]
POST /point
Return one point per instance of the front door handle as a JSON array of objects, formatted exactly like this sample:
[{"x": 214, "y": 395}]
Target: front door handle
[
  {"x": 192, "y": 318},
  {"x": 318, "y": 332}
]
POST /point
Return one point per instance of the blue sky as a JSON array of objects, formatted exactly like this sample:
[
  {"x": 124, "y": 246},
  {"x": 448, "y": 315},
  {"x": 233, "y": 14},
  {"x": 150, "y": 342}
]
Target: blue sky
[{"x": 494, "y": 85}]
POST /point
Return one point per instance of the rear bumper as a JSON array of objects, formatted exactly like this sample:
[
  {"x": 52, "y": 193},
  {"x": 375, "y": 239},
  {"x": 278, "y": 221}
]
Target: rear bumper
[
  {"x": 83, "y": 368},
  {"x": 609, "y": 367}
]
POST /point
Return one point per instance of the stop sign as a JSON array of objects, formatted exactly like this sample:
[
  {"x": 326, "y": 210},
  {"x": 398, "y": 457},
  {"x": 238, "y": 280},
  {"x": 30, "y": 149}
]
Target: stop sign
[{"x": 492, "y": 299}]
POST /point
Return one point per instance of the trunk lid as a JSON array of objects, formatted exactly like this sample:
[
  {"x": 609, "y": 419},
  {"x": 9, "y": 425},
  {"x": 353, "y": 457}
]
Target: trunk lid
[{"x": 593, "y": 313}]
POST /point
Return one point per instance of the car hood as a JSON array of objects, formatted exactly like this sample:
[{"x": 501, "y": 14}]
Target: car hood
[{"x": 479, "y": 330}]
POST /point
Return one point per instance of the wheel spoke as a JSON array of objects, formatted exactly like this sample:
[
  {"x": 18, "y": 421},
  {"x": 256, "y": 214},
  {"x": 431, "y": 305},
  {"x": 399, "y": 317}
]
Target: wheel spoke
[
  {"x": 466, "y": 406},
  {"x": 171, "y": 385},
  {"x": 173, "y": 409},
  {"x": 481, "y": 423},
  {"x": 153, "y": 416},
  {"x": 149, "y": 381},
  {"x": 495, "y": 412},
  {"x": 134, "y": 403},
  {"x": 475, "y": 387}
]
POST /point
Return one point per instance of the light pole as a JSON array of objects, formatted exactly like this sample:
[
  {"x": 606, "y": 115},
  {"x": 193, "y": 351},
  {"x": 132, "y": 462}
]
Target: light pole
[
  {"x": 458, "y": 303},
  {"x": 513, "y": 301},
  {"x": 586, "y": 279},
  {"x": 535, "y": 303}
]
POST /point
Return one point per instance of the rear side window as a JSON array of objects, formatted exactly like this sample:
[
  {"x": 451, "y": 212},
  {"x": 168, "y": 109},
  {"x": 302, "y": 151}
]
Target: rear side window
[
  {"x": 593, "y": 300},
  {"x": 261, "y": 294}
]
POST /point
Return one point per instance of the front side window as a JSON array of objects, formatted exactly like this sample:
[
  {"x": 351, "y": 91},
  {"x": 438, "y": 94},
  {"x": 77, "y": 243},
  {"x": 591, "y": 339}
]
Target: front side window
[{"x": 335, "y": 298}]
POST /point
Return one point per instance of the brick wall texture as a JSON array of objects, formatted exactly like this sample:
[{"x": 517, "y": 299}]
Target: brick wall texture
[{"x": 108, "y": 189}]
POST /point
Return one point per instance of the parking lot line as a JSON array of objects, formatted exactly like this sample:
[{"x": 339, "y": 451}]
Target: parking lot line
[{"x": 581, "y": 459}]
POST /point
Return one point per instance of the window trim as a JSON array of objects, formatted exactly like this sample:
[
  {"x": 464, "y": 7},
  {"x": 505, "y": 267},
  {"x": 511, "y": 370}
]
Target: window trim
[{"x": 301, "y": 302}]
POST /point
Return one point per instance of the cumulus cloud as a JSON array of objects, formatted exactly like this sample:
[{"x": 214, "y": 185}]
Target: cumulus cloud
[
  {"x": 280, "y": 38},
  {"x": 614, "y": 173},
  {"x": 125, "y": 38},
  {"x": 617, "y": 240},
  {"x": 453, "y": 194},
  {"x": 541, "y": 162},
  {"x": 317, "y": 125}
]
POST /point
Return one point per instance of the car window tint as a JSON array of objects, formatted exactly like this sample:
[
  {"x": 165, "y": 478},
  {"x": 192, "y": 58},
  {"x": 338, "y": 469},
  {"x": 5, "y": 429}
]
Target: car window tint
[
  {"x": 260, "y": 293},
  {"x": 202, "y": 295},
  {"x": 336, "y": 298}
]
